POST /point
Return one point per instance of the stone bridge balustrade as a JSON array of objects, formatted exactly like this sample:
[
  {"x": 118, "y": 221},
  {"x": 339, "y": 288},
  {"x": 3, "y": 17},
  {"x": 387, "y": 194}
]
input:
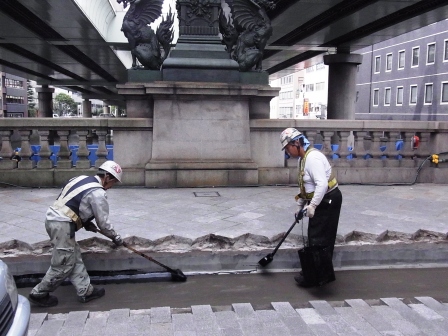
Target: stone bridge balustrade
[
  {"x": 360, "y": 151},
  {"x": 47, "y": 168}
]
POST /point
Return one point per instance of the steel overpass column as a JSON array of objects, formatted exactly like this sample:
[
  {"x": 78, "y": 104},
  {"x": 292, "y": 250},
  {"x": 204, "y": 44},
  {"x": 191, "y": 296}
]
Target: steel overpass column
[
  {"x": 45, "y": 101},
  {"x": 342, "y": 85},
  {"x": 86, "y": 108}
]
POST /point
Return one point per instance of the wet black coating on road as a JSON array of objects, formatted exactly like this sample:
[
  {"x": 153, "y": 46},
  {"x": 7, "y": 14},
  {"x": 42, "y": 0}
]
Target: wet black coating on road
[{"x": 258, "y": 289}]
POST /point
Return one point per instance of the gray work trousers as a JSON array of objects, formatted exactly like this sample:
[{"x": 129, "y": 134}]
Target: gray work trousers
[{"x": 66, "y": 261}]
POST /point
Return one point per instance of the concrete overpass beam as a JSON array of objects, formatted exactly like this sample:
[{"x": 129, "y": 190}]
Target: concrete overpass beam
[{"x": 342, "y": 84}]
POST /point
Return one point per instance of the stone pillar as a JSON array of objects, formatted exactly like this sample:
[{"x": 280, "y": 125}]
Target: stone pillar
[
  {"x": 106, "y": 108},
  {"x": 342, "y": 85},
  {"x": 86, "y": 108},
  {"x": 45, "y": 101}
]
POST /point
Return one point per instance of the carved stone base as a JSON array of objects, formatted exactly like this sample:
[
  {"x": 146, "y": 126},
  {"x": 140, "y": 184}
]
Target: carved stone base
[
  {"x": 201, "y": 132},
  {"x": 144, "y": 76},
  {"x": 6, "y": 164},
  {"x": 199, "y": 174}
]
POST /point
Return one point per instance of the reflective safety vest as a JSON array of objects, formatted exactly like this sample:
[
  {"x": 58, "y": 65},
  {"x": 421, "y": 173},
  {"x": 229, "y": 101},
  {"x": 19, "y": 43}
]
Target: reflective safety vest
[
  {"x": 332, "y": 182},
  {"x": 71, "y": 195}
]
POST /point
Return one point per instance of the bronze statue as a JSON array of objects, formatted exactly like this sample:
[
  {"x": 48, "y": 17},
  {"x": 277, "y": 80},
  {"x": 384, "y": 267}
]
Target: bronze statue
[
  {"x": 145, "y": 44},
  {"x": 228, "y": 32},
  {"x": 254, "y": 30}
]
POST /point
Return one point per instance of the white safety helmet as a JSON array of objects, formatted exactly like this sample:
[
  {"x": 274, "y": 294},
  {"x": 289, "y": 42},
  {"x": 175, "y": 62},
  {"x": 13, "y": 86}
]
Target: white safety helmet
[
  {"x": 112, "y": 168},
  {"x": 288, "y": 135}
]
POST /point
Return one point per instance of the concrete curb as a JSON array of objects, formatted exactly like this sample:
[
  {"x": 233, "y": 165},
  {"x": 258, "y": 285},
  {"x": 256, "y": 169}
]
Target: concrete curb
[{"x": 121, "y": 260}]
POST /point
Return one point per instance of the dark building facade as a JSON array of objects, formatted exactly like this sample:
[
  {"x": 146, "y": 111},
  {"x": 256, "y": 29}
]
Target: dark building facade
[
  {"x": 405, "y": 78},
  {"x": 13, "y": 96}
]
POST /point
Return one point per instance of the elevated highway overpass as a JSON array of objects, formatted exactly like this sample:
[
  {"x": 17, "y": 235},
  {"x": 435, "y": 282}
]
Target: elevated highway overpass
[{"x": 77, "y": 44}]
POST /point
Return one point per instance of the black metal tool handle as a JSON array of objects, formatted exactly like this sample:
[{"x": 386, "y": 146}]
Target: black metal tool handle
[
  {"x": 169, "y": 269},
  {"x": 286, "y": 234}
]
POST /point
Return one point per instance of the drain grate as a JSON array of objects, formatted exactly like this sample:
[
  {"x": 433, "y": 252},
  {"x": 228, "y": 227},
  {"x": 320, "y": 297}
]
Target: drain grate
[{"x": 206, "y": 194}]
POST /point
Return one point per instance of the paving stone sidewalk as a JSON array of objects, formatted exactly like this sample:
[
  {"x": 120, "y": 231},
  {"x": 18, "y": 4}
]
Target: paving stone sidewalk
[
  {"x": 231, "y": 212},
  {"x": 388, "y": 316}
]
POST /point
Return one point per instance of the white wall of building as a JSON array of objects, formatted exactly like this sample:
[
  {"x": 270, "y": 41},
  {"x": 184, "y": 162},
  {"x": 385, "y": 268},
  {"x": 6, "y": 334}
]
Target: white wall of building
[{"x": 311, "y": 85}]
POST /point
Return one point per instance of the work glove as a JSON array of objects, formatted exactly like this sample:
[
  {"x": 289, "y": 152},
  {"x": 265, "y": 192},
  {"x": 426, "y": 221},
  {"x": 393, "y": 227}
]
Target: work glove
[
  {"x": 299, "y": 214},
  {"x": 90, "y": 226},
  {"x": 117, "y": 240},
  {"x": 309, "y": 210}
]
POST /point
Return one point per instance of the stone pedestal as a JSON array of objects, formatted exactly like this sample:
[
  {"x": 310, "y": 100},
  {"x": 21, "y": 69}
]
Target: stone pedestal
[{"x": 201, "y": 133}]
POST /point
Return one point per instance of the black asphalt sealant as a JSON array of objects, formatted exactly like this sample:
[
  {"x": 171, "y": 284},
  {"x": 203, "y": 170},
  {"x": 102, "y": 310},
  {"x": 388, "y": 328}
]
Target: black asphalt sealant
[{"x": 259, "y": 289}]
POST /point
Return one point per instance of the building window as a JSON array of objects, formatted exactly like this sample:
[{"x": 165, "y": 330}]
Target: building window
[
  {"x": 310, "y": 69},
  {"x": 388, "y": 62},
  {"x": 401, "y": 59},
  {"x": 320, "y": 86},
  {"x": 387, "y": 96},
  {"x": 428, "y": 94},
  {"x": 14, "y": 100},
  {"x": 285, "y": 112},
  {"x": 376, "y": 97},
  {"x": 415, "y": 56},
  {"x": 377, "y": 64},
  {"x": 445, "y": 51},
  {"x": 431, "y": 53},
  {"x": 309, "y": 87},
  {"x": 286, "y": 80},
  {"x": 13, "y": 83},
  {"x": 286, "y": 95},
  {"x": 413, "y": 95},
  {"x": 444, "y": 99},
  {"x": 320, "y": 66},
  {"x": 399, "y": 96}
]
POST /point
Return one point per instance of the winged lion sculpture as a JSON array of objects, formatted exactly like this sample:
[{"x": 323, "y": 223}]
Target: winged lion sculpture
[
  {"x": 147, "y": 46},
  {"x": 252, "y": 29}
]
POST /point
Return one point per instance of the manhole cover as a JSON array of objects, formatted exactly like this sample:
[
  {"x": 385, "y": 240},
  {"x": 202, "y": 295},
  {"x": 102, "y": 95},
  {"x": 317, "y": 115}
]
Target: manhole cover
[{"x": 206, "y": 194}]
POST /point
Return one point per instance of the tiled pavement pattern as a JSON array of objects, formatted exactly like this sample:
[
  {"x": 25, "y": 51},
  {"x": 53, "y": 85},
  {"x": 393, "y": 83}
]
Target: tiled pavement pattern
[
  {"x": 388, "y": 316},
  {"x": 231, "y": 212}
]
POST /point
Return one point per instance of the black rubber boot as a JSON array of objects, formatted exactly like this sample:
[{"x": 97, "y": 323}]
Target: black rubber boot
[
  {"x": 43, "y": 301},
  {"x": 302, "y": 282},
  {"x": 96, "y": 294}
]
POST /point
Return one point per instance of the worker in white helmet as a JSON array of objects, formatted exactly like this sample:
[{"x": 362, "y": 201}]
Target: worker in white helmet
[
  {"x": 81, "y": 200},
  {"x": 319, "y": 194}
]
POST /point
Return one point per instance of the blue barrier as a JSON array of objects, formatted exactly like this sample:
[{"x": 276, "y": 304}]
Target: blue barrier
[
  {"x": 335, "y": 147},
  {"x": 54, "y": 149},
  {"x": 54, "y": 154},
  {"x": 92, "y": 153},
  {"x": 35, "y": 156}
]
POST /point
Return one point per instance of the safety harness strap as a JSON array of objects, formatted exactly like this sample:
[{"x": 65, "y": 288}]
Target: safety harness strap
[
  {"x": 66, "y": 196},
  {"x": 332, "y": 182}
]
